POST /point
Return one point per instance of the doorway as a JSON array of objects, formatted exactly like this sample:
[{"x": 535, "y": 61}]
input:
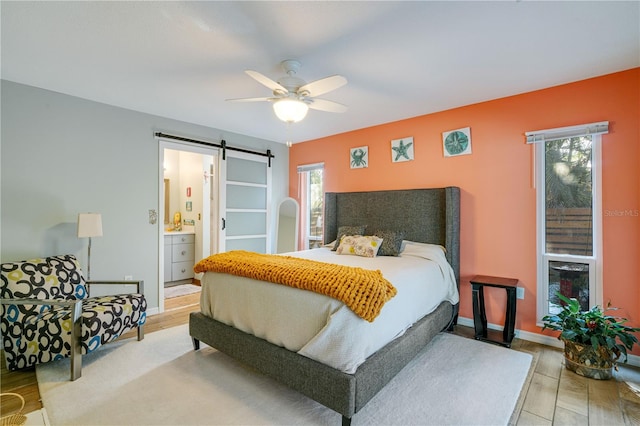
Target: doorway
[{"x": 188, "y": 208}]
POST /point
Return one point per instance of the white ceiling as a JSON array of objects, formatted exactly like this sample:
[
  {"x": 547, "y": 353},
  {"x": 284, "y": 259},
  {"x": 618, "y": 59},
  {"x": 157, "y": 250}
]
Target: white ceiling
[{"x": 402, "y": 59}]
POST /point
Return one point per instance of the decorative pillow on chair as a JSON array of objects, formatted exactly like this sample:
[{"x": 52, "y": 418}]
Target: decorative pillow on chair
[
  {"x": 359, "y": 246},
  {"x": 391, "y": 243},
  {"x": 348, "y": 230}
]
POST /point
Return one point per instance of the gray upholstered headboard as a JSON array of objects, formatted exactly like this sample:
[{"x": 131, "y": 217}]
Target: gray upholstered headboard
[{"x": 423, "y": 215}]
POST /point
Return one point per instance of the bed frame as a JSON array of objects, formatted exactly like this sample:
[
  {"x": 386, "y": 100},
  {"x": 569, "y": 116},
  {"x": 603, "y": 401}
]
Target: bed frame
[{"x": 423, "y": 215}]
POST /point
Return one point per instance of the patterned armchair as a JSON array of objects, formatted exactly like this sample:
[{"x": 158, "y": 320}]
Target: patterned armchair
[{"x": 47, "y": 313}]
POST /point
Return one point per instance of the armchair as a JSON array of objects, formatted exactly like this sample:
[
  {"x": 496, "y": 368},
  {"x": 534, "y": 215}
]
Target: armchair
[{"x": 47, "y": 312}]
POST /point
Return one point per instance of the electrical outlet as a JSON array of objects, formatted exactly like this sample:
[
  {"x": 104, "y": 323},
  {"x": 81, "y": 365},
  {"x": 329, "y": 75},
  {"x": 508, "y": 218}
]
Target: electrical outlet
[
  {"x": 520, "y": 292},
  {"x": 128, "y": 277}
]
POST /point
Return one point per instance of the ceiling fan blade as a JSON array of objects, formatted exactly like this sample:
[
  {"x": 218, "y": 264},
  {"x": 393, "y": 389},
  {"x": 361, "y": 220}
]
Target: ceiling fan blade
[
  {"x": 266, "y": 81},
  {"x": 325, "y": 105},
  {"x": 249, "y": 99},
  {"x": 324, "y": 85}
]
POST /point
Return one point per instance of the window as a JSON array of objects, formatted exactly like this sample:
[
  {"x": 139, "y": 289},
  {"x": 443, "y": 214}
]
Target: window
[
  {"x": 568, "y": 215},
  {"x": 312, "y": 204}
]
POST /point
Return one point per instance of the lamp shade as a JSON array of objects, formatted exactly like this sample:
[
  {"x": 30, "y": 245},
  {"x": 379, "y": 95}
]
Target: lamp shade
[
  {"x": 290, "y": 110},
  {"x": 89, "y": 225}
]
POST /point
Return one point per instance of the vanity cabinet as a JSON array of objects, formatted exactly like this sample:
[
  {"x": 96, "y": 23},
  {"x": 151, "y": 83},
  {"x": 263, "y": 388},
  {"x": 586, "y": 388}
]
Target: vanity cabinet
[{"x": 179, "y": 257}]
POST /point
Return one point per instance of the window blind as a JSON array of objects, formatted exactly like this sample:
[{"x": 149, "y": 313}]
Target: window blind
[
  {"x": 308, "y": 167},
  {"x": 538, "y": 136}
]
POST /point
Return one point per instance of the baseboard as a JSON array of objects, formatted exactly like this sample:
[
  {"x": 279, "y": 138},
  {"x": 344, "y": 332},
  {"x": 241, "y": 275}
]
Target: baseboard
[
  {"x": 539, "y": 338},
  {"x": 153, "y": 311}
]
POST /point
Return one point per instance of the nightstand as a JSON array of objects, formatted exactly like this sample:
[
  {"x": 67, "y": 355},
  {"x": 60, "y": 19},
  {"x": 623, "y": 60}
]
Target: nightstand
[{"x": 478, "y": 283}]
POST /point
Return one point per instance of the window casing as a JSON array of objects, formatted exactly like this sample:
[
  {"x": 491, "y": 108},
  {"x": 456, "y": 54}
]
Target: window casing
[
  {"x": 312, "y": 204},
  {"x": 569, "y": 231}
]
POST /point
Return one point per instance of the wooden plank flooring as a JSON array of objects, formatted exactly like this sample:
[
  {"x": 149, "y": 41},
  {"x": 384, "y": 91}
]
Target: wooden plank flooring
[{"x": 554, "y": 396}]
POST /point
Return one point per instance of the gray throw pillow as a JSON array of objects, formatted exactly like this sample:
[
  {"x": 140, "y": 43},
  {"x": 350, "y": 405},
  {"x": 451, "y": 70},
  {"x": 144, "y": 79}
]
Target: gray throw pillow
[
  {"x": 391, "y": 242},
  {"x": 348, "y": 230}
]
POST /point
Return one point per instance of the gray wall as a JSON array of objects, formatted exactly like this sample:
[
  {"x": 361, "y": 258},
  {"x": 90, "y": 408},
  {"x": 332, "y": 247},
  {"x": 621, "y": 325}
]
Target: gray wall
[{"x": 62, "y": 155}]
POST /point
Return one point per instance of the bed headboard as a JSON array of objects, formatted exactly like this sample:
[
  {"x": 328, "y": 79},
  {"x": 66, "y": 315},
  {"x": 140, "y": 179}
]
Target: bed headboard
[{"x": 423, "y": 215}]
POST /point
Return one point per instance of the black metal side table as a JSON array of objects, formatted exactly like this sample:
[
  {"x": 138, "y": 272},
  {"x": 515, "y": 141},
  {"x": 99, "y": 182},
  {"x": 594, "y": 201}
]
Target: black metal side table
[{"x": 479, "y": 314}]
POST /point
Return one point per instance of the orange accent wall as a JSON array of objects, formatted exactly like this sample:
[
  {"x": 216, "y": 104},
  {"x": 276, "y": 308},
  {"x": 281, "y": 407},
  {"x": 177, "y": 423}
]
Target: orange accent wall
[{"x": 498, "y": 206}]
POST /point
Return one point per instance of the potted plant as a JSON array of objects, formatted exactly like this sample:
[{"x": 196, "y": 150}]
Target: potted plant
[{"x": 593, "y": 340}]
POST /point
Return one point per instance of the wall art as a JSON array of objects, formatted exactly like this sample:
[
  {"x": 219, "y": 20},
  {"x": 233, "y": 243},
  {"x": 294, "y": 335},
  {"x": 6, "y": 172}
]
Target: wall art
[
  {"x": 402, "y": 150},
  {"x": 457, "y": 142},
  {"x": 359, "y": 157}
]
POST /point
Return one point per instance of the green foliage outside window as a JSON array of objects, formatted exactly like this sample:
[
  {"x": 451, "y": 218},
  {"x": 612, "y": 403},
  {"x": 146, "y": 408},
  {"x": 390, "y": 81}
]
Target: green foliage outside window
[{"x": 568, "y": 173}]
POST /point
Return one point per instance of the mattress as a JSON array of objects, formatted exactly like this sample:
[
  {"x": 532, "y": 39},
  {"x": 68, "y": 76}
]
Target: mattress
[{"x": 323, "y": 328}]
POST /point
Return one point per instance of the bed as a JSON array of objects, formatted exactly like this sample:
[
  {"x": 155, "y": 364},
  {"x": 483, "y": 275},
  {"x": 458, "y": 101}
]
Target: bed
[{"x": 424, "y": 216}]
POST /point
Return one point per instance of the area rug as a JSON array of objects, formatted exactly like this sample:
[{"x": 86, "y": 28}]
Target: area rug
[
  {"x": 180, "y": 290},
  {"x": 162, "y": 381}
]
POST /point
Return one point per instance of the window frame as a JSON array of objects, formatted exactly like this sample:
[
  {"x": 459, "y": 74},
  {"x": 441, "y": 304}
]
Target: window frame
[
  {"x": 304, "y": 190},
  {"x": 543, "y": 258}
]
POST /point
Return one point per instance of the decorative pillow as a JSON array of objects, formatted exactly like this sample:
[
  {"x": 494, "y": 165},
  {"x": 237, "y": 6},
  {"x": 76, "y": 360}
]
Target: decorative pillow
[
  {"x": 391, "y": 243},
  {"x": 359, "y": 246},
  {"x": 348, "y": 230}
]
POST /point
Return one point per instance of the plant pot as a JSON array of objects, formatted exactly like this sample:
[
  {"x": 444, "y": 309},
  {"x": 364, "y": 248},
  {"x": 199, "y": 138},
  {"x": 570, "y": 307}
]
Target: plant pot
[{"x": 587, "y": 361}]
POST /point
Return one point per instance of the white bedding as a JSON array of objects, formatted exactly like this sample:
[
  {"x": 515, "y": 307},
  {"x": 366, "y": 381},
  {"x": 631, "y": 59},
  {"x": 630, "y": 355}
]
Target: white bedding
[{"x": 323, "y": 328}]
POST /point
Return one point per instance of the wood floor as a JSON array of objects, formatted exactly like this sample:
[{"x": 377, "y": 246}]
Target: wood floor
[{"x": 554, "y": 396}]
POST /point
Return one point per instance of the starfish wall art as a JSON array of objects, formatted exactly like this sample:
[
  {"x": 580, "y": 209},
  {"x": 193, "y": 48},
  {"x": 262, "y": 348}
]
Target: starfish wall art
[{"x": 402, "y": 150}]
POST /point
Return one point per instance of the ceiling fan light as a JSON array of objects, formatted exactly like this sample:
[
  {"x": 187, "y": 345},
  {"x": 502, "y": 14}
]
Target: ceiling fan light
[{"x": 290, "y": 110}]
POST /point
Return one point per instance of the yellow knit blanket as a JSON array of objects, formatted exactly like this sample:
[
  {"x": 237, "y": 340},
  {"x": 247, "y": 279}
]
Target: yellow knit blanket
[{"x": 363, "y": 291}]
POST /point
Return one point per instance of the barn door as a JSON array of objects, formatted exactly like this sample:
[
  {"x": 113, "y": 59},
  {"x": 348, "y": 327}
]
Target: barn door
[{"x": 245, "y": 198}]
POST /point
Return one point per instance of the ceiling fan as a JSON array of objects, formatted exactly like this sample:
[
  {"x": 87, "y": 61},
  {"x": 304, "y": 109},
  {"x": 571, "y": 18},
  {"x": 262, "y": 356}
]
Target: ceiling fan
[{"x": 292, "y": 96}]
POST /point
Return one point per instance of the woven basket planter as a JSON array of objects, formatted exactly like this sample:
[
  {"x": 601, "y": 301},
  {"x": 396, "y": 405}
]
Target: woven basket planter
[
  {"x": 16, "y": 418},
  {"x": 587, "y": 361}
]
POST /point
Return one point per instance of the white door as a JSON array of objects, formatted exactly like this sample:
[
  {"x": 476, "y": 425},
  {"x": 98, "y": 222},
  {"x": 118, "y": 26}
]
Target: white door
[{"x": 245, "y": 197}]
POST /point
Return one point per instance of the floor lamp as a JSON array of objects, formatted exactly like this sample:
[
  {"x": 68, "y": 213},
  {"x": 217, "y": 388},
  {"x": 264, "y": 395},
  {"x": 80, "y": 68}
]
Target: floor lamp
[{"x": 89, "y": 225}]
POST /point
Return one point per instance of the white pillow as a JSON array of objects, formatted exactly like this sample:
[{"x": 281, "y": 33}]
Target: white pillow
[
  {"x": 358, "y": 245},
  {"x": 330, "y": 245},
  {"x": 424, "y": 250}
]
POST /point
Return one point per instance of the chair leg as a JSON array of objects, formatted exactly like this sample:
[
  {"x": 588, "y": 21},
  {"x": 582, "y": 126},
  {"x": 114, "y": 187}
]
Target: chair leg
[
  {"x": 140, "y": 332},
  {"x": 76, "y": 347},
  {"x": 76, "y": 352},
  {"x": 76, "y": 366}
]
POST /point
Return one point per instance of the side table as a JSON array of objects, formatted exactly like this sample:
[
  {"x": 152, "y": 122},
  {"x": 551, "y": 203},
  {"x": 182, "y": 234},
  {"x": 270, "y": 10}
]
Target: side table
[{"x": 478, "y": 283}]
